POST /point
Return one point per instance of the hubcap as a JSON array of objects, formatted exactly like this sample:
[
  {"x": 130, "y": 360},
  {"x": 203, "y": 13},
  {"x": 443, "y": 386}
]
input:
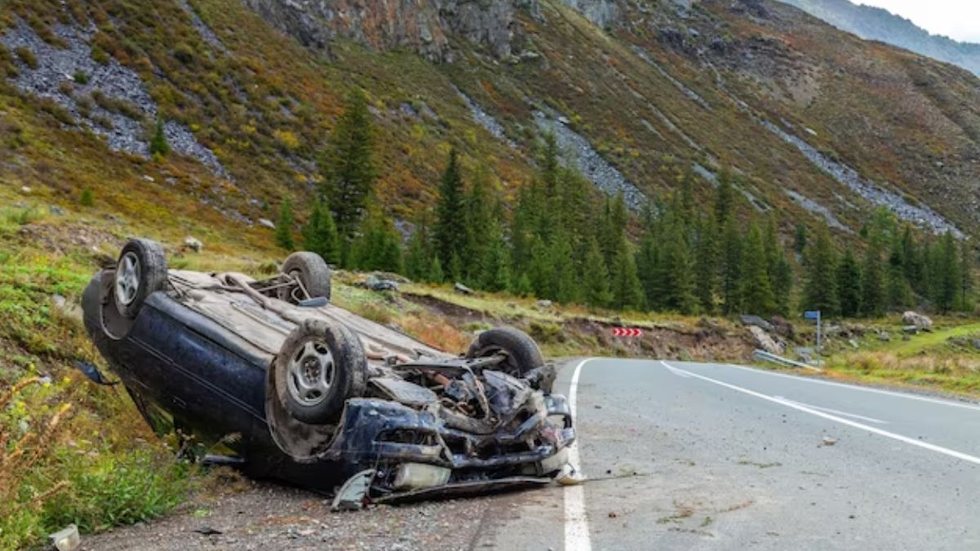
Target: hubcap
[
  {"x": 127, "y": 279},
  {"x": 311, "y": 372}
]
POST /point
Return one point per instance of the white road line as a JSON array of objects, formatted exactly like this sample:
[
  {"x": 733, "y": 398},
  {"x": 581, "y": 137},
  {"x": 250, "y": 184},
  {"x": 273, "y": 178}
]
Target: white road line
[
  {"x": 834, "y": 411},
  {"x": 950, "y": 403},
  {"x": 576, "y": 519},
  {"x": 677, "y": 372},
  {"x": 841, "y": 420}
]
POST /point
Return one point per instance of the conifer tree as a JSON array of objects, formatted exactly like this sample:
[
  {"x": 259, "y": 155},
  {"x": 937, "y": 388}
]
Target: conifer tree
[
  {"x": 948, "y": 272},
  {"x": 755, "y": 291},
  {"x": 449, "y": 239},
  {"x": 320, "y": 234},
  {"x": 158, "y": 143},
  {"x": 966, "y": 276},
  {"x": 849, "y": 285},
  {"x": 799, "y": 238},
  {"x": 436, "y": 273},
  {"x": 284, "y": 226},
  {"x": 595, "y": 279},
  {"x": 820, "y": 289},
  {"x": 419, "y": 254},
  {"x": 872, "y": 286},
  {"x": 378, "y": 247},
  {"x": 349, "y": 169},
  {"x": 730, "y": 267},
  {"x": 724, "y": 197},
  {"x": 782, "y": 283},
  {"x": 479, "y": 222},
  {"x": 898, "y": 293},
  {"x": 706, "y": 264},
  {"x": 679, "y": 265},
  {"x": 626, "y": 288}
]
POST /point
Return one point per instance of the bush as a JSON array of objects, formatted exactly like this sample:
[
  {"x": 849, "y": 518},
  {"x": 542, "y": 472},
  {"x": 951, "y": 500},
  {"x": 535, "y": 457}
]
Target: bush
[
  {"x": 81, "y": 77},
  {"x": 27, "y": 56},
  {"x": 86, "y": 199}
]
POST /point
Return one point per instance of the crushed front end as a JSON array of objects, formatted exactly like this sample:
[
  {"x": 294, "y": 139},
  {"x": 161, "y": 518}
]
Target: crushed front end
[{"x": 449, "y": 427}]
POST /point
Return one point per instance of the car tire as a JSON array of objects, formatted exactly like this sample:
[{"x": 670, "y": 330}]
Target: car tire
[
  {"x": 522, "y": 352},
  {"x": 319, "y": 367},
  {"x": 140, "y": 271},
  {"x": 311, "y": 270}
]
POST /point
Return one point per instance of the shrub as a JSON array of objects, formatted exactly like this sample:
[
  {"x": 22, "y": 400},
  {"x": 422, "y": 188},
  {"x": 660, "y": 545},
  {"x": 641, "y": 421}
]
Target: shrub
[
  {"x": 81, "y": 77},
  {"x": 184, "y": 53},
  {"x": 158, "y": 143},
  {"x": 86, "y": 199},
  {"x": 27, "y": 56}
]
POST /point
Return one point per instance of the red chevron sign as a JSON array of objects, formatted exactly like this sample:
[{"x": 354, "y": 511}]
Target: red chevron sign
[{"x": 627, "y": 332}]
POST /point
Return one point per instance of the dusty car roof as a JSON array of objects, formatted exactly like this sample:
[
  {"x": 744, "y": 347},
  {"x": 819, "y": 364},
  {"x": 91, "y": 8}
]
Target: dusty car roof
[{"x": 240, "y": 314}]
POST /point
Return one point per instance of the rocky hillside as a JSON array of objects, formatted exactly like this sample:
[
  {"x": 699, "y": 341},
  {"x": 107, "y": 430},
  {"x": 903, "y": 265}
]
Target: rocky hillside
[
  {"x": 878, "y": 24},
  {"x": 818, "y": 125}
]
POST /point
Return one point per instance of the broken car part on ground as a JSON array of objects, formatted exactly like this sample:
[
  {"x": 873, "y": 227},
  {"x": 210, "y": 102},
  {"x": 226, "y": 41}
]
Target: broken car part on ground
[{"x": 307, "y": 392}]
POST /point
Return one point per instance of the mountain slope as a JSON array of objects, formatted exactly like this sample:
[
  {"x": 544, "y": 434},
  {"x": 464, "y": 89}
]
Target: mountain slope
[
  {"x": 878, "y": 24},
  {"x": 818, "y": 125}
]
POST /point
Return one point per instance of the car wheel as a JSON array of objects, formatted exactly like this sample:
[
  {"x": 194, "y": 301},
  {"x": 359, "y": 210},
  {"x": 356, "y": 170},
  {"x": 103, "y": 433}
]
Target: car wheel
[
  {"x": 312, "y": 272},
  {"x": 141, "y": 271},
  {"x": 320, "y": 366},
  {"x": 522, "y": 352}
]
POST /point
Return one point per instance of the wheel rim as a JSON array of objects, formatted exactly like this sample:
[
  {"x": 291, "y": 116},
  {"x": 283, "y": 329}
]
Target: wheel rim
[
  {"x": 311, "y": 373},
  {"x": 128, "y": 278}
]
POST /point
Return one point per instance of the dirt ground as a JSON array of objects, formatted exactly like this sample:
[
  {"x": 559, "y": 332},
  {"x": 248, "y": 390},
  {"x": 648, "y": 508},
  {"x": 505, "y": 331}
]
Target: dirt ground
[{"x": 265, "y": 515}]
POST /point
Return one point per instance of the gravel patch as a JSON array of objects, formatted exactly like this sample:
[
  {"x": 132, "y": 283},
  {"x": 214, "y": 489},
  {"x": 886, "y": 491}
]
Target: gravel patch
[
  {"x": 71, "y": 78},
  {"x": 816, "y": 208},
  {"x": 578, "y": 150},
  {"x": 268, "y": 516}
]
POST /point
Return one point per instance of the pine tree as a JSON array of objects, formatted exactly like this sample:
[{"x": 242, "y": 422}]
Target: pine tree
[
  {"x": 947, "y": 269},
  {"x": 320, "y": 234},
  {"x": 849, "y": 285},
  {"x": 680, "y": 266},
  {"x": 872, "y": 287},
  {"x": 782, "y": 283},
  {"x": 799, "y": 238},
  {"x": 820, "y": 289},
  {"x": 419, "y": 254},
  {"x": 378, "y": 247},
  {"x": 481, "y": 226},
  {"x": 626, "y": 288},
  {"x": 158, "y": 143},
  {"x": 706, "y": 265},
  {"x": 730, "y": 267},
  {"x": 566, "y": 285},
  {"x": 349, "y": 168},
  {"x": 724, "y": 197},
  {"x": 595, "y": 279},
  {"x": 898, "y": 293},
  {"x": 755, "y": 291},
  {"x": 284, "y": 226},
  {"x": 966, "y": 276},
  {"x": 449, "y": 240}
]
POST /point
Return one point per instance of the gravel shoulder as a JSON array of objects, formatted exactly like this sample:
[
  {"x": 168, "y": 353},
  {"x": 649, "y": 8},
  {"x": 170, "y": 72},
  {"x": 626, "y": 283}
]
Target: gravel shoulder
[{"x": 263, "y": 515}]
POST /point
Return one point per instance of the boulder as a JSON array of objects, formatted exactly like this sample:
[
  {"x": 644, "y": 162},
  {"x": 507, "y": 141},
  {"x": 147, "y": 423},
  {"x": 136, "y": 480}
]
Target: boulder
[
  {"x": 462, "y": 289},
  {"x": 193, "y": 244},
  {"x": 756, "y": 321},
  {"x": 376, "y": 283},
  {"x": 267, "y": 223},
  {"x": 919, "y": 320},
  {"x": 783, "y": 327},
  {"x": 765, "y": 341}
]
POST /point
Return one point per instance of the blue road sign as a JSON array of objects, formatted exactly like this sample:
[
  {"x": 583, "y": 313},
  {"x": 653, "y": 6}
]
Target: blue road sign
[{"x": 811, "y": 314}]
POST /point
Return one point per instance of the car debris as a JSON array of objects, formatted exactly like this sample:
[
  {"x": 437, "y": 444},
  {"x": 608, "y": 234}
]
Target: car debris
[
  {"x": 318, "y": 396},
  {"x": 66, "y": 539}
]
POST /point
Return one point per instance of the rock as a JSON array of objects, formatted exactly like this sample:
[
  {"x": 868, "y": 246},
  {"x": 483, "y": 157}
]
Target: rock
[
  {"x": 765, "y": 341},
  {"x": 543, "y": 304},
  {"x": 884, "y": 336},
  {"x": 828, "y": 441},
  {"x": 66, "y": 539},
  {"x": 25, "y": 189},
  {"x": 976, "y": 344},
  {"x": 853, "y": 343},
  {"x": 463, "y": 289},
  {"x": 193, "y": 244},
  {"x": 783, "y": 327},
  {"x": 910, "y": 329},
  {"x": 267, "y": 223},
  {"x": 56, "y": 210},
  {"x": 148, "y": 178},
  {"x": 375, "y": 283},
  {"x": 919, "y": 320},
  {"x": 757, "y": 322}
]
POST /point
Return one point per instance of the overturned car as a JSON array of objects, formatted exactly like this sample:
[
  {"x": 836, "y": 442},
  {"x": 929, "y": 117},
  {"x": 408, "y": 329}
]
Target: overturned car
[{"x": 307, "y": 392}]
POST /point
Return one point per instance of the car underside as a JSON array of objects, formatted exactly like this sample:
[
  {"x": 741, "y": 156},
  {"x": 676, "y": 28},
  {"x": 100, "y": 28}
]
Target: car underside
[{"x": 309, "y": 393}]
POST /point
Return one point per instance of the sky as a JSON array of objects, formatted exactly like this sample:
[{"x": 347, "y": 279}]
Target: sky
[{"x": 957, "y": 19}]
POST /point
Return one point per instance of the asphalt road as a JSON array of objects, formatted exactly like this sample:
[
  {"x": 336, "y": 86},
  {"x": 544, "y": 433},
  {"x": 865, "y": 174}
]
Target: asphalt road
[
  {"x": 704, "y": 456},
  {"x": 678, "y": 456}
]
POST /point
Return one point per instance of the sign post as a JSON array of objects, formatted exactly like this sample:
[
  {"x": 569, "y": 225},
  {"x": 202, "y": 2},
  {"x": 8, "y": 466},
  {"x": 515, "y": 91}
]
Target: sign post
[{"x": 814, "y": 315}]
